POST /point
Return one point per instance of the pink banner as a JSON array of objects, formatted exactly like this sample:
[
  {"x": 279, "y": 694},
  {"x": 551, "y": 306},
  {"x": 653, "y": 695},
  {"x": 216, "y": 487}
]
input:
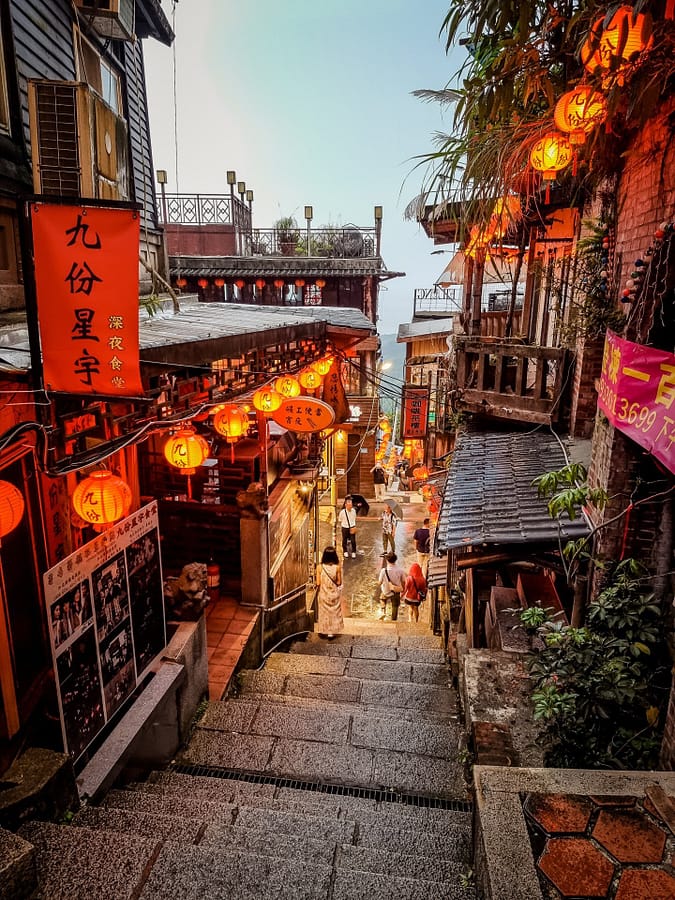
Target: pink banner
[{"x": 637, "y": 394}]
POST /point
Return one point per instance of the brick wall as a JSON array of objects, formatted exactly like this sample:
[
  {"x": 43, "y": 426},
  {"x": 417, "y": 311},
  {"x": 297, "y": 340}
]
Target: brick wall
[{"x": 584, "y": 393}]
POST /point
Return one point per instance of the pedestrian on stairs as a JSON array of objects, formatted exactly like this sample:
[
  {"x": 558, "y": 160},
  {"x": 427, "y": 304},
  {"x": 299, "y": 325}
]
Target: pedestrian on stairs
[
  {"x": 379, "y": 480},
  {"x": 414, "y": 592},
  {"x": 347, "y": 520},
  {"x": 329, "y": 598},
  {"x": 392, "y": 582},
  {"x": 389, "y": 523}
]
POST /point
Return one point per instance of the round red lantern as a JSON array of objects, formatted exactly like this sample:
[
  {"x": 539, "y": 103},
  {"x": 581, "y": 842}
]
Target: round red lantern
[
  {"x": 310, "y": 379},
  {"x": 101, "y": 499},
  {"x": 239, "y": 283},
  {"x": 320, "y": 283},
  {"x": 288, "y": 386},
  {"x": 186, "y": 450},
  {"x": 323, "y": 366},
  {"x": 219, "y": 282},
  {"x": 232, "y": 422},
  {"x": 203, "y": 283},
  {"x": 12, "y": 507},
  {"x": 181, "y": 282},
  {"x": 549, "y": 155},
  {"x": 611, "y": 47},
  {"x": 578, "y": 111},
  {"x": 260, "y": 283},
  {"x": 299, "y": 282},
  {"x": 278, "y": 283},
  {"x": 266, "y": 400}
]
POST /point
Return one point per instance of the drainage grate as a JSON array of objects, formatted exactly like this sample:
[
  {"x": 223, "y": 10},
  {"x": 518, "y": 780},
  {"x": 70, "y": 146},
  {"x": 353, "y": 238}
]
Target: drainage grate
[{"x": 320, "y": 787}]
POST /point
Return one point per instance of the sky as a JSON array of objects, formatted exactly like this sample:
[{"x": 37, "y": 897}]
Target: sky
[{"x": 309, "y": 101}]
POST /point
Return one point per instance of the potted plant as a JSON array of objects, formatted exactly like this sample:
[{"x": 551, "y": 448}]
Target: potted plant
[{"x": 287, "y": 234}]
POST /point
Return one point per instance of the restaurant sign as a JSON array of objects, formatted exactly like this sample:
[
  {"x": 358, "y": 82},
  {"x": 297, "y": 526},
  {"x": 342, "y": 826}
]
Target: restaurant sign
[
  {"x": 304, "y": 414},
  {"x": 105, "y": 609},
  {"x": 86, "y": 278},
  {"x": 415, "y": 411},
  {"x": 637, "y": 394}
]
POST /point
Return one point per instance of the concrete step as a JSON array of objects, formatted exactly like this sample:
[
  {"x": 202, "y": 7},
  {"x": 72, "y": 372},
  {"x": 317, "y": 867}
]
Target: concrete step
[
  {"x": 396, "y": 861},
  {"x": 357, "y": 885},
  {"x": 452, "y": 843},
  {"x": 83, "y": 863},
  {"x": 367, "y": 650},
  {"x": 365, "y": 669},
  {"x": 152, "y": 825}
]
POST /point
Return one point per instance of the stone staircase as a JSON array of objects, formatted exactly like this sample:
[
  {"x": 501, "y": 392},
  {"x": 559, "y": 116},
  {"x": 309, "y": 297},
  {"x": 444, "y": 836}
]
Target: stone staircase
[{"x": 332, "y": 773}]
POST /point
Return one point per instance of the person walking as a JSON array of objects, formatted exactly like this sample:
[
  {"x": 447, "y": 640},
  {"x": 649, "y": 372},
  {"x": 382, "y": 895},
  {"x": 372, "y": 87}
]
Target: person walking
[
  {"x": 422, "y": 538},
  {"x": 379, "y": 480},
  {"x": 347, "y": 521},
  {"x": 329, "y": 598},
  {"x": 414, "y": 592},
  {"x": 392, "y": 582},
  {"x": 389, "y": 523}
]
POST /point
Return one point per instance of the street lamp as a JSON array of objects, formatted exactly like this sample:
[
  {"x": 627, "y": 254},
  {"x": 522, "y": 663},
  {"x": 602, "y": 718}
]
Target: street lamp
[
  {"x": 378, "y": 228},
  {"x": 309, "y": 215},
  {"x": 161, "y": 181},
  {"x": 241, "y": 190}
]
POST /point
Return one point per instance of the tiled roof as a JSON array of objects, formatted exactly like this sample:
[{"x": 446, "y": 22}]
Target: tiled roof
[
  {"x": 409, "y": 331},
  {"x": 489, "y": 497},
  {"x": 280, "y": 266}
]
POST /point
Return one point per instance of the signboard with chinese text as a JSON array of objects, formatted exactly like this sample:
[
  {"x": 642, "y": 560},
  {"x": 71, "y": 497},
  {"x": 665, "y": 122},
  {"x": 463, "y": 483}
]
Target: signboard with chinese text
[
  {"x": 304, "y": 414},
  {"x": 105, "y": 608},
  {"x": 86, "y": 276},
  {"x": 334, "y": 392},
  {"x": 415, "y": 412},
  {"x": 637, "y": 394}
]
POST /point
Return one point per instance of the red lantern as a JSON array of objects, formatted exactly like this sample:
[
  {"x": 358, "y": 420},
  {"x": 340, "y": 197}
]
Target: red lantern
[
  {"x": 260, "y": 283},
  {"x": 278, "y": 283},
  {"x": 627, "y": 34},
  {"x": 323, "y": 366},
  {"x": 310, "y": 379},
  {"x": 232, "y": 422},
  {"x": 299, "y": 282},
  {"x": 421, "y": 473},
  {"x": 219, "y": 282},
  {"x": 579, "y": 111},
  {"x": 11, "y": 507},
  {"x": 102, "y": 499},
  {"x": 549, "y": 155},
  {"x": 320, "y": 283},
  {"x": 288, "y": 386},
  {"x": 186, "y": 450},
  {"x": 181, "y": 282},
  {"x": 239, "y": 283},
  {"x": 203, "y": 283},
  {"x": 267, "y": 400}
]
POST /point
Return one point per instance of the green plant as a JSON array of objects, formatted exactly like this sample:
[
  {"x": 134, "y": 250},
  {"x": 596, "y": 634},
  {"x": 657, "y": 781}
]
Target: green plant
[
  {"x": 533, "y": 618},
  {"x": 286, "y": 229}
]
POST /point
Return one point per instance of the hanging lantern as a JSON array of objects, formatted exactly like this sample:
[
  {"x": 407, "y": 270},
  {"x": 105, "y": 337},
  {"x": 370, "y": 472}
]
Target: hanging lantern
[
  {"x": 186, "y": 450},
  {"x": 579, "y": 111},
  {"x": 219, "y": 282},
  {"x": 288, "y": 386},
  {"x": 299, "y": 282},
  {"x": 323, "y": 366},
  {"x": 310, "y": 379},
  {"x": 278, "y": 283},
  {"x": 549, "y": 155},
  {"x": 101, "y": 499},
  {"x": 384, "y": 425},
  {"x": 267, "y": 400},
  {"x": 260, "y": 283},
  {"x": 240, "y": 283},
  {"x": 612, "y": 47},
  {"x": 181, "y": 282},
  {"x": 421, "y": 473},
  {"x": 12, "y": 507},
  {"x": 232, "y": 422},
  {"x": 320, "y": 283},
  {"x": 203, "y": 283}
]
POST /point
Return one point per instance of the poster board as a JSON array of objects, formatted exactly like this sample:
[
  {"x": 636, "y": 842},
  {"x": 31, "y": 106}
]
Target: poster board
[{"x": 105, "y": 611}]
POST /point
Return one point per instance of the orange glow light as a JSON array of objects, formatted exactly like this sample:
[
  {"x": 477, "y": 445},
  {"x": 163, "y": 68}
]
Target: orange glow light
[
  {"x": 578, "y": 111},
  {"x": 186, "y": 450},
  {"x": 610, "y": 48},
  {"x": 267, "y": 400},
  {"x": 12, "y": 507},
  {"x": 288, "y": 386},
  {"x": 102, "y": 498}
]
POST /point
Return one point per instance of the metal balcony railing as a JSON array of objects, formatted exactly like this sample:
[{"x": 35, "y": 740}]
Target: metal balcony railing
[
  {"x": 349, "y": 242},
  {"x": 204, "y": 209},
  {"x": 437, "y": 301}
]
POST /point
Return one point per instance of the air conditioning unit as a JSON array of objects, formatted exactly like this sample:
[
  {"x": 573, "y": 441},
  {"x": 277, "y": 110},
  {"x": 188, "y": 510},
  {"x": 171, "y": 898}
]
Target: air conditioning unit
[
  {"x": 109, "y": 18},
  {"x": 79, "y": 146}
]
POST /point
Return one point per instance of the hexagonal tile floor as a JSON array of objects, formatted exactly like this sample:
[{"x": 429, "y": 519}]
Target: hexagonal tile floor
[{"x": 600, "y": 848}]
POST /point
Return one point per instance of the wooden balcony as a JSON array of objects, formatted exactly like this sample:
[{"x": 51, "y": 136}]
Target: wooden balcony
[{"x": 509, "y": 380}]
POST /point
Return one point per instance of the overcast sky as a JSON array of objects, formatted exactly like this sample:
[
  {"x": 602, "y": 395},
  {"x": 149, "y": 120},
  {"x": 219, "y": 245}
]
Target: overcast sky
[{"x": 309, "y": 101}]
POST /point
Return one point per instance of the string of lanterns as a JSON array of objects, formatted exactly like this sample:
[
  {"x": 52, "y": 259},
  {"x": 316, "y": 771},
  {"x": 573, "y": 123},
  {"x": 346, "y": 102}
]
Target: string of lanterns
[{"x": 260, "y": 283}]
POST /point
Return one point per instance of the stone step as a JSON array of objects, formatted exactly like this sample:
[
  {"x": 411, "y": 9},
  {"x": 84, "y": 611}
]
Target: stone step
[
  {"x": 367, "y": 650},
  {"x": 357, "y": 885},
  {"x": 342, "y": 728},
  {"x": 152, "y": 825},
  {"x": 364, "y": 669},
  {"x": 83, "y": 863},
  {"x": 453, "y": 843},
  {"x": 396, "y": 861},
  {"x": 343, "y": 806}
]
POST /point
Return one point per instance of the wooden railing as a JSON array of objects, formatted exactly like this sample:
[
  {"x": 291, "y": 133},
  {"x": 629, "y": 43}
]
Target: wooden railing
[
  {"x": 510, "y": 380},
  {"x": 493, "y": 324}
]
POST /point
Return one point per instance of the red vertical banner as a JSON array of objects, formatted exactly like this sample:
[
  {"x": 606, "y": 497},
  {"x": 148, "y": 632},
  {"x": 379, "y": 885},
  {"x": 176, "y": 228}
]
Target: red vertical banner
[
  {"x": 334, "y": 392},
  {"x": 86, "y": 276},
  {"x": 415, "y": 412}
]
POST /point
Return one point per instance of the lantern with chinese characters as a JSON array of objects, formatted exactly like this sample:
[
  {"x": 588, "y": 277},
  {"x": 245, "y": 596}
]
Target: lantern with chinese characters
[
  {"x": 11, "y": 508},
  {"x": 240, "y": 283},
  {"x": 288, "y": 386},
  {"x": 320, "y": 283},
  {"x": 550, "y": 155},
  {"x": 612, "y": 47},
  {"x": 579, "y": 111},
  {"x": 186, "y": 450},
  {"x": 101, "y": 499},
  {"x": 232, "y": 422},
  {"x": 323, "y": 366},
  {"x": 181, "y": 282},
  {"x": 260, "y": 283},
  {"x": 203, "y": 283},
  {"x": 310, "y": 379},
  {"x": 299, "y": 282},
  {"x": 267, "y": 400},
  {"x": 219, "y": 282}
]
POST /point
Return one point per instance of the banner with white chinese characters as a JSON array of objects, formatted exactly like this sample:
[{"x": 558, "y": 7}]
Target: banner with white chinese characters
[
  {"x": 86, "y": 276},
  {"x": 415, "y": 412},
  {"x": 105, "y": 609},
  {"x": 637, "y": 394}
]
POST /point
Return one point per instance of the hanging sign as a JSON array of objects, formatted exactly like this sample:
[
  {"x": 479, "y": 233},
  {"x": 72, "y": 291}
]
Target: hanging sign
[
  {"x": 637, "y": 394},
  {"x": 415, "y": 412},
  {"x": 86, "y": 277},
  {"x": 304, "y": 414},
  {"x": 334, "y": 392}
]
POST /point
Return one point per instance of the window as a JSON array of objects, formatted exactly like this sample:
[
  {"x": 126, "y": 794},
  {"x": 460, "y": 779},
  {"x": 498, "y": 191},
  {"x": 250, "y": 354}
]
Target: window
[{"x": 98, "y": 73}]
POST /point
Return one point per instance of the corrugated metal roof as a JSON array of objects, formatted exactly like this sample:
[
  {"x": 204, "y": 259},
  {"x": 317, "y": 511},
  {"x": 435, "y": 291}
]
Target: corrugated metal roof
[
  {"x": 411, "y": 330},
  {"x": 279, "y": 266},
  {"x": 489, "y": 497}
]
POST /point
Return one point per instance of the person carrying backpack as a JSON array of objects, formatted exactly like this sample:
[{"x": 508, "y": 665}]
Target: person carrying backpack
[
  {"x": 422, "y": 537},
  {"x": 414, "y": 592},
  {"x": 391, "y": 581}
]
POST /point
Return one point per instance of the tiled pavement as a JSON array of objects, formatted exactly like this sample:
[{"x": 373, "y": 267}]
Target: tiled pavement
[
  {"x": 610, "y": 848},
  {"x": 228, "y": 628}
]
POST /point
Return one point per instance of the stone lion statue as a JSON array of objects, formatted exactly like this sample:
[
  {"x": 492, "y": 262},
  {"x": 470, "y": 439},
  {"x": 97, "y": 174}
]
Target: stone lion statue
[
  {"x": 252, "y": 503},
  {"x": 186, "y": 595}
]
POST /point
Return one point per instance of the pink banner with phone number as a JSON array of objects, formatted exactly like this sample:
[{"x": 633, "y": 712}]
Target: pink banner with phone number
[{"x": 637, "y": 394}]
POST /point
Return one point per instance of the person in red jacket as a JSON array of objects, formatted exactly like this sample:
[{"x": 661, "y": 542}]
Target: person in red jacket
[{"x": 414, "y": 592}]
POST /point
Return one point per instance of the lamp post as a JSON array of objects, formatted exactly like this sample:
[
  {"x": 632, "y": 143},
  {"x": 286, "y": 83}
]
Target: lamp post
[
  {"x": 231, "y": 176},
  {"x": 309, "y": 215},
  {"x": 378, "y": 228},
  {"x": 241, "y": 190},
  {"x": 161, "y": 181}
]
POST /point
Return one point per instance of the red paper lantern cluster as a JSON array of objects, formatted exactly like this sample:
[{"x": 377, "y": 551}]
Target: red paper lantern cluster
[{"x": 11, "y": 507}]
